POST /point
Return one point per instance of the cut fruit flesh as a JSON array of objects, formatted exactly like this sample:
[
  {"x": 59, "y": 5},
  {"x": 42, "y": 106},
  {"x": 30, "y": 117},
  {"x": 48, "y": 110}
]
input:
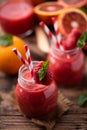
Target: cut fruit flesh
[
  {"x": 47, "y": 10},
  {"x": 72, "y": 18}
]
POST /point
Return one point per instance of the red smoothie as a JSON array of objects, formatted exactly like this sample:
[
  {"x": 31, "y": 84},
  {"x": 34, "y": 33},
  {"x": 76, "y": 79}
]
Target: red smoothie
[
  {"x": 67, "y": 66},
  {"x": 35, "y": 100},
  {"x": 16, "y": 17}
]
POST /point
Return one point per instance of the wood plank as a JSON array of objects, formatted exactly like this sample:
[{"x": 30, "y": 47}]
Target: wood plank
[{"x": 67, "y": 122}]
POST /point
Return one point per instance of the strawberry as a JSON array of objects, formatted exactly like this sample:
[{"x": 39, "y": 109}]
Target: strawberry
[
  {"x": 76, "y": 33},
  {"x": 42, "y": 74},
  {"x": 71, "y": 40},
  {"x": 69, "y": 43}
]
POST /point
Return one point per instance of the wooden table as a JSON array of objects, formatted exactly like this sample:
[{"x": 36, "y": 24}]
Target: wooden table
[{"x": 12, "y": 119}]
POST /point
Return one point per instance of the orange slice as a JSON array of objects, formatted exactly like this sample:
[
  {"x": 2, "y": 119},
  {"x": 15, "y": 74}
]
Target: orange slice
[
  {"x": 47, "y": 10},
  {"x": 72, "y": 18},
  {"x": 73, "y": 3}
]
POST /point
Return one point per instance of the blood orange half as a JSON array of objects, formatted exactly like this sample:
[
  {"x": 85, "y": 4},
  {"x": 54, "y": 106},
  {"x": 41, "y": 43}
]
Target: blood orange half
[
  {"x": 72, "y": 18},
  {"x": 73, "y": 3},
  {"x": 45, "y": 11}
]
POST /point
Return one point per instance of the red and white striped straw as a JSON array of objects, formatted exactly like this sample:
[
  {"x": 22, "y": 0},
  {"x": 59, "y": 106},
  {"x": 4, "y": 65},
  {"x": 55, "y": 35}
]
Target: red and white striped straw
[
  {"x": 27, "y": 52},
  {"x": 20, "y": 56},
  {"x": 58, "y": 35},
  {"x": 48, "y": 32}
]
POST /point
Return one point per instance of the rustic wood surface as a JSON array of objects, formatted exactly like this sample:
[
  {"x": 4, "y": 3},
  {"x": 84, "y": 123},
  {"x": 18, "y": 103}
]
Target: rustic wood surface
[{"x": 12, "y": 119}]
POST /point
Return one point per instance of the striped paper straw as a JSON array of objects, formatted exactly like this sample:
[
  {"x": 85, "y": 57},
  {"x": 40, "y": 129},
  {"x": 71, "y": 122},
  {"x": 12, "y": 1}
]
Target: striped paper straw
[
  {"x": 58, "y": 35},
  {"x": 20, "y": 56},
  {"x": 27, "y": 52},
  {"x": 48, "y": 32}
]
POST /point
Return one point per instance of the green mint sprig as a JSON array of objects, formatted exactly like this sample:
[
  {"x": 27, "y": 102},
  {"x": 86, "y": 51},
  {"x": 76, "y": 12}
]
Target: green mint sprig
[
  {"x": 43, "y": 70},
  {"x": 6, "y": 40},
  {"x": 84, "y": 9},
  {"x": 82, "y": 99},
  {"x": 83, "y": 40}
]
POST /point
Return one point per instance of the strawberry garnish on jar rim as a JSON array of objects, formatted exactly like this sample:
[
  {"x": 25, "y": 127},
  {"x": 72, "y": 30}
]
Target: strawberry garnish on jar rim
[{"x": 42, "y": 73}]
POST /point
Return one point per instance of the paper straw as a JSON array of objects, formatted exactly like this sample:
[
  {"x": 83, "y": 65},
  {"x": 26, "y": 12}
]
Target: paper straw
[
  {"x": 58, "y": 35},
  {"x": 20, "y": 56},
  {"x": 27, "y": 52},
  {"x": 28, "y": 63},
  {"x": 48, "y": 32}
]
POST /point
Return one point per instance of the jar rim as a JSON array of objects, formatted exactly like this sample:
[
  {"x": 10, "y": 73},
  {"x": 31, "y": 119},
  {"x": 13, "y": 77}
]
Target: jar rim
[
  {"x": 27, "y": 68},
  {"x": 53, "y": 45},
  {"x": 25, "y": 82}
]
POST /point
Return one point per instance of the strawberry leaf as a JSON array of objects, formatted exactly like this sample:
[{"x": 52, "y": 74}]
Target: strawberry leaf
[
  {"x": 43, "y": 70},
  {"x": 6, "y": 40},
  {"x": 83, "y": 40},
  {"x": 82, "y": 99}
]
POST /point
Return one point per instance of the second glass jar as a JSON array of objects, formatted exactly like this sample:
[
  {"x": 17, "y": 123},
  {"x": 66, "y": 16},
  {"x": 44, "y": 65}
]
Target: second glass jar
[
  {"x": 35, "y": 100},
  {"x": 67, "y": 65}
]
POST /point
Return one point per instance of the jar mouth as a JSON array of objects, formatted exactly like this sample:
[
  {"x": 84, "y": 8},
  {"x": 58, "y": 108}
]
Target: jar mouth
[
  {"x": 76, "y": 49},
  {"x": 28, "y": 83},
  {"x": 26, "y": 70}
]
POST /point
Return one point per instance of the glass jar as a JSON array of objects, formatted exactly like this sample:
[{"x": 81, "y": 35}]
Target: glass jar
[
  {"x": 17, "y": 17},
  {"x": 35, "y": 100},
  {"x": 67, "y": 65}
]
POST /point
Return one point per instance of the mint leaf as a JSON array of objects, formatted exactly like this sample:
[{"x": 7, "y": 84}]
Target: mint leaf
[
  {"x": 83, "y": 40},
  {"x": 81, "y": 43},
  {"x": 82, "y": 99},
  {"x": 6, "y": 40},
  {"x": 43, "y": 70},
  {"x": 84, "y": 9}
]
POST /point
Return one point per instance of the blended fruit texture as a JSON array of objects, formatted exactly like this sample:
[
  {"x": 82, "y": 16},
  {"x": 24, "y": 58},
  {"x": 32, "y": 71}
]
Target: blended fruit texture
[
  {"x": 16, "y": 17},
  {"x": 67, "y": 69},
  {"x": 36, "y": 100}
]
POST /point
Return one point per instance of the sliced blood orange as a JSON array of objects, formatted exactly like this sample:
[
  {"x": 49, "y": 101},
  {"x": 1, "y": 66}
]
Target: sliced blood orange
[
  {"x": 72, "y": 18},
  {"x": 47, "y": 10},
  {"x": 73, "y": 3}
]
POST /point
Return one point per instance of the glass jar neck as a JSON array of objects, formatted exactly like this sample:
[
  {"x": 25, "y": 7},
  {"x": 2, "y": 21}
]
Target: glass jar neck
[
  {"x": 24, "y": 76},
  {"x": 57, "y": 52}
]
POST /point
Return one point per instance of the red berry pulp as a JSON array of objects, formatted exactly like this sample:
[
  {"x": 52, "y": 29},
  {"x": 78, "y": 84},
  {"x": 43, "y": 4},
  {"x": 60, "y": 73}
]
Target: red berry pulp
[
  {"x": 16, "y": 17},
  {"x": 36, "y": 100},
  {"x": 67, "y": 66}
]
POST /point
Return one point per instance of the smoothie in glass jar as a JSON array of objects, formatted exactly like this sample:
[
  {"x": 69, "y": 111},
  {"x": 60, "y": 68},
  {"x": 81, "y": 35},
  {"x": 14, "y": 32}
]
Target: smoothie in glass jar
[
  {"x": 35, "y": 99},
  {"x": 67, "y": 65},
  {"x": 17, "y": 17}
]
